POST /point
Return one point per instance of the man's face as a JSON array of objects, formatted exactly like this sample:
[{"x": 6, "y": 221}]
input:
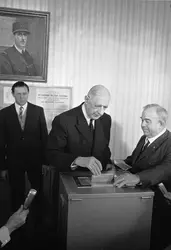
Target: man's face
[
  {"x": 96, "y": 106},
  {"x": 150, "y": 123},
  {"x": 20, "y": 95},
  {"x": 21, "y": 39}
]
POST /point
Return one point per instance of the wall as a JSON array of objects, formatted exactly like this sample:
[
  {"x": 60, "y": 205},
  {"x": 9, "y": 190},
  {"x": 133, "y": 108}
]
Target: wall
[{"x": 122, "y": 44}]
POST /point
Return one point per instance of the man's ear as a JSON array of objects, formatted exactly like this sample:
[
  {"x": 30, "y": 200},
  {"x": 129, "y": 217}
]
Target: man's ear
[
  {"x": 86, "y": 98},
  {"x": 161, "y": 123}
]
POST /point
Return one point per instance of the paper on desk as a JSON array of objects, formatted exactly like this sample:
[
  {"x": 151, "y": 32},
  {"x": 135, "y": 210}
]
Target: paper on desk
[
  {"x": 121, "y": 164},
  {"x": 106, "y": 177}
]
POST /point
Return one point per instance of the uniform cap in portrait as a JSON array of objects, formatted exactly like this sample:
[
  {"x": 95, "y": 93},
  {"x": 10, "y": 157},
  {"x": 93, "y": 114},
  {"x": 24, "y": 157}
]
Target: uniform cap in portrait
[{"x": 20, "y": 27}]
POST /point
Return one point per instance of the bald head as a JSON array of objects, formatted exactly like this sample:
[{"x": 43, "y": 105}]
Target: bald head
[
  {"x": 97, "y": 101},
  {"x": 99, "y": 90}
]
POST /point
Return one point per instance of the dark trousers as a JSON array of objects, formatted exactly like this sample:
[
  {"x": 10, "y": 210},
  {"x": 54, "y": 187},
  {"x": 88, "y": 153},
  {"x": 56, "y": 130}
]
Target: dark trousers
[
  {"x": 24, "y": 237},
  {"x": 161, "y": 220},
  {"x": 17, "y": 184}
]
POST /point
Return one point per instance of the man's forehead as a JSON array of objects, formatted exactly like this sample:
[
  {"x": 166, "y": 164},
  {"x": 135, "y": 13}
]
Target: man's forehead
[
  {"x": 149, "y": 113},
  {"x": 20, "y": 89},
  {"x": 100, "y": 98}
]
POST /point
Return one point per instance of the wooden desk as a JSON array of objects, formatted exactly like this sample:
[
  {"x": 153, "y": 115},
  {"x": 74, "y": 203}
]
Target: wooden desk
[{"x": 103, "y": 217}]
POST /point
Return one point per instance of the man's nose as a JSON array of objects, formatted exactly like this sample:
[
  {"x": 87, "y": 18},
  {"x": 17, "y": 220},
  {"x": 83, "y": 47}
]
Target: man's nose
[
  {"x": 143, "y": 123},
  {"x": 101, "y": 110}
]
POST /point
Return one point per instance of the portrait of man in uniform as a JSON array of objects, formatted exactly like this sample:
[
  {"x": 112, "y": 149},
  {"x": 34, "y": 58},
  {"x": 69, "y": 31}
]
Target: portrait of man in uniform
[
  {"x": 23, "y": 45},
  {"x": 16, "y": 60}
]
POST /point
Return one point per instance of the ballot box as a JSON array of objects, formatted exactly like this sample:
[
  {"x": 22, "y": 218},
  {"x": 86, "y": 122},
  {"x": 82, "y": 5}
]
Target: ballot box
[{"x": 103, "y": 217}]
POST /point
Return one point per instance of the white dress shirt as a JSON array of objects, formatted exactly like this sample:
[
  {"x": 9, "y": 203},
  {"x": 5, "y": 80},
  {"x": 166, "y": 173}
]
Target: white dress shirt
[
  {"x": 4, "y": 235},
  {"x": 17, "y": 107},
  {"x": 155, "y": 137}
]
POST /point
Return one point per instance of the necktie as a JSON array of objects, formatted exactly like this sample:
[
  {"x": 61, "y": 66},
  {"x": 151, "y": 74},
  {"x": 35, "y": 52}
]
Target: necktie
[
  {"x": 20, "y": 116},
  {"x": 91, "y": 125},
  {"x": 24, "y": 54},
  {"x": 146, "y": 144},
  {"x": 21, "y": 112},
  {"x": 92, "y": 134}
]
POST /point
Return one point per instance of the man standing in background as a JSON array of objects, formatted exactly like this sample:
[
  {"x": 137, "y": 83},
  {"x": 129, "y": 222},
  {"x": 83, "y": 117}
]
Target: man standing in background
[
  {"x": 23, "y": 134},
  {"x": 16, "y": 60}
]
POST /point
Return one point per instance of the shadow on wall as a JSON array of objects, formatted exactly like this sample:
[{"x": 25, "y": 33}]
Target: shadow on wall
[{"x": 119, "y": 148}]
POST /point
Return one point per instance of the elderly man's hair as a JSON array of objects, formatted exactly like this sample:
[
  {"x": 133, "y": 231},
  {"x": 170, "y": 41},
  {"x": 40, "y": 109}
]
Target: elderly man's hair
[
  {"x": 19, "y": 84},
  {"x": 98, "y": 90},
  {"x": 161, "y": 112}
]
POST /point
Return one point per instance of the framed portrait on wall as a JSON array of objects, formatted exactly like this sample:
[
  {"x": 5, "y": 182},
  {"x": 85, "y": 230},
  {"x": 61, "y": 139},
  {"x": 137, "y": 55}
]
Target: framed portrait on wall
[{"x": 24, "y": 40}]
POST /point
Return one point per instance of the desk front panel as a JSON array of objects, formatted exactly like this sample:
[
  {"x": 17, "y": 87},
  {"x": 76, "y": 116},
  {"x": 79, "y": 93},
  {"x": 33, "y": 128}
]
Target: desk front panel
[{"x": 105, "y": 218}]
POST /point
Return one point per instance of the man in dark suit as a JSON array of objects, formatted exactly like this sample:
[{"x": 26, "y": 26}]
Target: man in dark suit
[
  {"x": 16, "y": 60},
  {"x": 23, "y": 134},
  {"x": 72, "y": 144},
  {"x": 151, "y": 164}
]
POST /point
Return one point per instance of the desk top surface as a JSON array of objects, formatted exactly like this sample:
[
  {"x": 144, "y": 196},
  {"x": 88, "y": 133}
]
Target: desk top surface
[{"x": 74, "y": 191}]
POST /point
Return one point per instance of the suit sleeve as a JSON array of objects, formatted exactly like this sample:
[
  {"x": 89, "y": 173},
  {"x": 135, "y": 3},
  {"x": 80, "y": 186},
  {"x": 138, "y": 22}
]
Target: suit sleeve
[
  {"x": 129, "y": 159},
  {"x": 4, "y": 236},
  {"x": 57, "y": 146},
  {"x": 43, "y": 135},
  {"x": 154, "y": 168},
  {"x": 5, "y": 66},
  {"x": 161, "y": 172},
  {"x": 2, "y": 140}
]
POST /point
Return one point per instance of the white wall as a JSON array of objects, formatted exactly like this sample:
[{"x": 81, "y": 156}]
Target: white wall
[{"x": 122, "y": 44}]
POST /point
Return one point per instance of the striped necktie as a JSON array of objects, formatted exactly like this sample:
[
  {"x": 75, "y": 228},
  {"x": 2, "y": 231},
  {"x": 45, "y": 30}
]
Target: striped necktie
[
  {"x": 146, "y": 144},
  {"x": 21, "y": 112}
]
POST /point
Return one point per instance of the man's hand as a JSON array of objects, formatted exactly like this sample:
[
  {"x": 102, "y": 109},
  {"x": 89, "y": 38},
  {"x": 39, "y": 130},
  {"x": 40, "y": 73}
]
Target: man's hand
[
  {"x": 109, "y": 166},
  {"x": 126, "y": 179},
  {"x": 17, "y": 219},
  {"x": 168, "y": 196},
  {"x": 4, "y": 175},
  {"x": 91, "y": 163}
]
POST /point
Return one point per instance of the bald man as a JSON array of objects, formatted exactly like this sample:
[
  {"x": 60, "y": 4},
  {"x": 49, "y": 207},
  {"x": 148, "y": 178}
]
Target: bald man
[{"x": 79, "y": 138}]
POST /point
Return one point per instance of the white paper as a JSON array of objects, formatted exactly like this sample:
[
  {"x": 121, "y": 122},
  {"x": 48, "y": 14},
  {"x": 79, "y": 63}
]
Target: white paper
[
  {"x": 8, "y": 97},
  {"x": 121, "y": 164},
  {"x": 54, "y": 101}
]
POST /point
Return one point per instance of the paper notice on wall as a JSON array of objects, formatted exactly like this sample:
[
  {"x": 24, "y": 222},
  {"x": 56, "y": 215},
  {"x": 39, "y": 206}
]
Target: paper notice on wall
[
  {"x": 54, "y": 101},
  {"x": 8, "y": 97}
]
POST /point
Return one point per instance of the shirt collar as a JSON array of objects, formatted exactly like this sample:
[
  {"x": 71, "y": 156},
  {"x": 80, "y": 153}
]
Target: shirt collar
[
  {"x": 85, "y": 114},
  {"x": 17, "y": 107},
  {"x": 19, "y": 50},
  {"x": 155, "y": 137}
]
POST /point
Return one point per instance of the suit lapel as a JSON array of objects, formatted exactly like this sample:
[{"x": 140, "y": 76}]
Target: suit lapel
[
  {"x": 152, "y": 147},
  {"x": 14, "y": 117},
  {"x": 29, "y": 116},
  {"x": 99, "y": 138},
  {"x": 138, "y": 150},
  {"x": 82, "y": 126}
]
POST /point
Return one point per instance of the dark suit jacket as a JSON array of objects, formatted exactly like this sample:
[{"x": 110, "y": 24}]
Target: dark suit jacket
[
  {"x": 153, "y": 165},
  {"x": 13, "y": 62},
  {"x": 70, "y": 137},
  {"x": 22, "y": 148}
]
